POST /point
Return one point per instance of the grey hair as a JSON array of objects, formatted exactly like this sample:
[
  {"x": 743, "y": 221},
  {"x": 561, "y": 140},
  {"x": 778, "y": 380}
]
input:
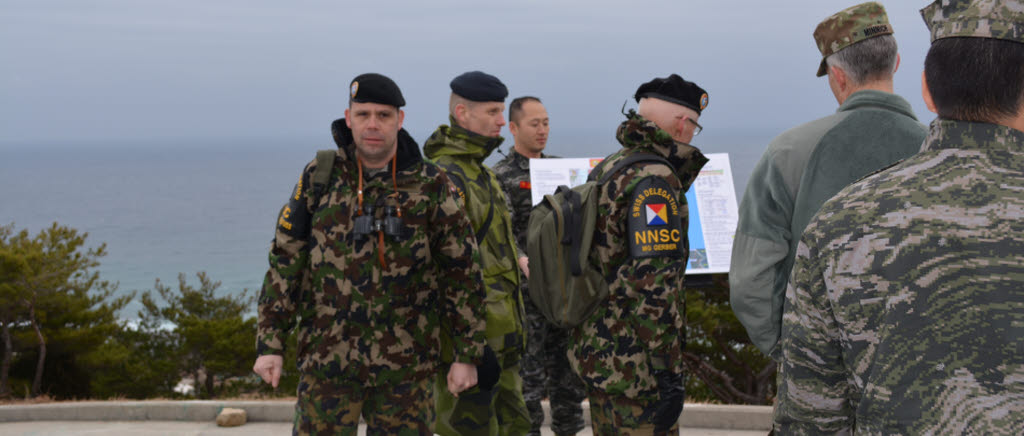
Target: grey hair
[{"x": 867, "y": 61}]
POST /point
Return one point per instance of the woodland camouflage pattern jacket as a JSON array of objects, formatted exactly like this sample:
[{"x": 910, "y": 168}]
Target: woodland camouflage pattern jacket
[
  {"x": 371, "y": 308},
  {"x": 641, "y": 328}
]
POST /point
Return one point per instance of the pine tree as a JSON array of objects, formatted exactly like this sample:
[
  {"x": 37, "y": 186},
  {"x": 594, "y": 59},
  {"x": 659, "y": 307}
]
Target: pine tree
[{"x": 211, "y": 334}]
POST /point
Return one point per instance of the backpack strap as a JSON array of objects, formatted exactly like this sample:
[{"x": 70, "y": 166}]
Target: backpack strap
[
  {"x": 575, "y": 205},
  {"x": 490, "y": 210},
  {"x": 630, "y": 160},
  {"x": 322, "y": 173}
]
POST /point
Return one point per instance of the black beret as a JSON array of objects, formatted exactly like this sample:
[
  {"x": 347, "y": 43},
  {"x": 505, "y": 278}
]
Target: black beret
[
  {"x": 479, "y": 86},
  {"x": 375, "y": 88},
  {"x": 674, "y": 89}
]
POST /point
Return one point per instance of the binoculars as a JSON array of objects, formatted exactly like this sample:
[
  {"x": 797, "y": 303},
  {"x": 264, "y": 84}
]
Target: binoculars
[{"x": 367, "y": 223}]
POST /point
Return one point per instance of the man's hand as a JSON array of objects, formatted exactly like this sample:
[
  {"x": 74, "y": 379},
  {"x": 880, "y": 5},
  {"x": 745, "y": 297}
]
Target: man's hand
[
  {"x": 524, "y": 264},
  {"x": 269, "y": 368},
  {"x": 461, "y": 376}
]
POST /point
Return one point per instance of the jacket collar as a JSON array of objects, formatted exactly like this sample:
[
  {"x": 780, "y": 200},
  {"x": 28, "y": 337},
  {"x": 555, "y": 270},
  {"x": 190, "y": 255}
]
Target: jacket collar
[
  {"x": 877, "y": 99},
  {"x": 954, "y": 134},
  {"x": 407, "y": 153},
  {"x": 521, "y": 161},
  {"x": 457, "y": 141},
  {"x": 637, "y": 133}
]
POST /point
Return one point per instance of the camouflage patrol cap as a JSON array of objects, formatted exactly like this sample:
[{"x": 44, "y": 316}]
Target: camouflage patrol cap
[
  {"x": 998, "y": 19},
  {"x": 375, "y": 88},
  {"x": 848, "y": 27}
]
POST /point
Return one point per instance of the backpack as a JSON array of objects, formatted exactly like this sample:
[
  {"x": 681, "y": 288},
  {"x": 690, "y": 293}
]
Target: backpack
[{"x": 563, "y": 284}]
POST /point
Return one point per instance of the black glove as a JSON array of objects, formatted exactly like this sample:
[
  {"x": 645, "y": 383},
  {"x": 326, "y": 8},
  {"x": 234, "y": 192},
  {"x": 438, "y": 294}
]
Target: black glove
[
  {"x": 671, "y": 394},
  {"x": 488, "y": 371}
]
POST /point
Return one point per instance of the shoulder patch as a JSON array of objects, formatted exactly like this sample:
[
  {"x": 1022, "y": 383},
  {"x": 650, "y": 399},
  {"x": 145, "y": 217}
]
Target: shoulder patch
[
  {"x": 654, "y": 227},
  {"x": 293, "y": 220}
]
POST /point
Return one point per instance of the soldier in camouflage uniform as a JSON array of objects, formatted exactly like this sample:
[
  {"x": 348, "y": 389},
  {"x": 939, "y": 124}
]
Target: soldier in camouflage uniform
[
  {"x": 476, "y": 109},
  {"x": 905, "y": 310},
  {"x": 370, "y": 314},
  {"x": 545, "y": 368},
  {"x": 629, "y": 352}
]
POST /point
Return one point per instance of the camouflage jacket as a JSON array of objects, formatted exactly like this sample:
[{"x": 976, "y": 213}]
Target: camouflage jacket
[
  {"x": 513, "y": 172},
  {"x": 905, "y": 310},
  {"x": 641, "y": 247},
  {"x": 370, "y": 310},
  {"x": 461, "y": 154}
]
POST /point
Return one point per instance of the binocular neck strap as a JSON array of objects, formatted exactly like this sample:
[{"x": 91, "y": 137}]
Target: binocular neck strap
[{"x": 398, "y": 207}]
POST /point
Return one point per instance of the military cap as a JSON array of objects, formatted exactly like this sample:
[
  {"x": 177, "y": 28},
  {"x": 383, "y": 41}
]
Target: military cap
[
  {"x": 848, "y": 27},
  {"x": 1000, "y": 19},
  {"x": 479, "y": 86},
  {"x": 375, "y": 88},
  {"x": 674, "y": 89}
]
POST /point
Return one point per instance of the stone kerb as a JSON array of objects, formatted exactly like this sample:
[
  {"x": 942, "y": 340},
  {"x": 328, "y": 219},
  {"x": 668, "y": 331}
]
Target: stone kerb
[
  {"x": 709, "y": 416},
  {"x": 195, "y": 410}
]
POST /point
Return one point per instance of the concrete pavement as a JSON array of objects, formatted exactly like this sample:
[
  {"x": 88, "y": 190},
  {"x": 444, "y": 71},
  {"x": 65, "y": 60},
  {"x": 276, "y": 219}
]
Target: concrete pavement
[{"x": 273, "y": 417}]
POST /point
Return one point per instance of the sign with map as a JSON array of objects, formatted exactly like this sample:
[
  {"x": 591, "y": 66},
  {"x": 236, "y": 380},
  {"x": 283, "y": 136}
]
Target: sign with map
[{"x": 711, "y": 199}]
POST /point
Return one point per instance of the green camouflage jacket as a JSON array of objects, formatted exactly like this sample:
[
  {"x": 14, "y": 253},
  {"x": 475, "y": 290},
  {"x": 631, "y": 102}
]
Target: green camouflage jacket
[
  {"x": 461, "y": 154},
  {"x": 513, "y": 172},
  {"x": 356, "y": 317},
  {"x": 641, "y": 247},
  {"x": 905, "y": 310}
]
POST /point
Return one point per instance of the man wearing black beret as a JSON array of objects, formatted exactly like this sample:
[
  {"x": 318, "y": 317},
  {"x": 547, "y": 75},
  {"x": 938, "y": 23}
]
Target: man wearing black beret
[
  {"x": 629, "y": 352},
  {"x": 369, "y": 233},
  {"x": 496, "y": 406}
]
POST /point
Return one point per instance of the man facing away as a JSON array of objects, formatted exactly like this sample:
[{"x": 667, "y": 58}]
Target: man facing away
[
  {"x": 476, "y": 110},
  {"x": 808, "y": 164},
  {"x": 545, "y": 368},
  {"x": 905, "y": 311},
  {"x": 629, "y": 351},
  {"x": 387, "y": 256}
]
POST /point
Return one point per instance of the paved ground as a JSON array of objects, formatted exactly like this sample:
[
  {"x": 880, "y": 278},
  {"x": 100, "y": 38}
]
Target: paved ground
[
  {"x": 178, "y": 428},
  {"x": 273, "y": 417}
]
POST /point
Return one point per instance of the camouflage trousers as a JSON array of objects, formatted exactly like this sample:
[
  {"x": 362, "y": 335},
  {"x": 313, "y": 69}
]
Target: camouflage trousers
[
  {"x": 546, "y": 373},
  {"x": 619, "y": 415},
  {"x": 498, "y": 412},
  {"x": 333, "y": 407}
]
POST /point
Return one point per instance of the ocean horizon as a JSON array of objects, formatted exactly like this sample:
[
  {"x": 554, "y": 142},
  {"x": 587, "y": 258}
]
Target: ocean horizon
[{"x": 170, "y": 208}]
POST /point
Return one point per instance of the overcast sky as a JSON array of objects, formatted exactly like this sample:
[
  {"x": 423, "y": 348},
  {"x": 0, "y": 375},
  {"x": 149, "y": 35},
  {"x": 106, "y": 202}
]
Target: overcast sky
[{"x": 146, "y": 72}]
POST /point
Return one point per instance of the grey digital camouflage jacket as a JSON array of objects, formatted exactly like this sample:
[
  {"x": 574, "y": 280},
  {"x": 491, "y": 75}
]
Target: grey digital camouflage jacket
[{"x": 905, "y": 310}]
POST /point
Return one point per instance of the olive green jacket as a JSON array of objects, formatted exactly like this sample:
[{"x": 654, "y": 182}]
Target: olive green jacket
[{"x": 461, "y": 154}]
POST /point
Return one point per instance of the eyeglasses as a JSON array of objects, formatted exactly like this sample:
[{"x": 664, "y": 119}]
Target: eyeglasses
[{"x": 698, "y": 128}]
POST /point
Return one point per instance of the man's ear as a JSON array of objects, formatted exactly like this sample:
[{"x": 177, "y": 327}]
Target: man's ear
[
  {"x": 897, "y": 67},
  {"x": 927, "y": 95},
  {"x": 513, "y": 128},
  {"x": 348, "y": 119},
  {"x": 460, "y": 113},
  {"x": 839, "y": 76},
  {"x": 401, "y": 118}
]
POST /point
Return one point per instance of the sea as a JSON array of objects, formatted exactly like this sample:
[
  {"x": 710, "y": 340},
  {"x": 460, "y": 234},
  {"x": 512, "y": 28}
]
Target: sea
[{"x": 171, "y": 208}]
